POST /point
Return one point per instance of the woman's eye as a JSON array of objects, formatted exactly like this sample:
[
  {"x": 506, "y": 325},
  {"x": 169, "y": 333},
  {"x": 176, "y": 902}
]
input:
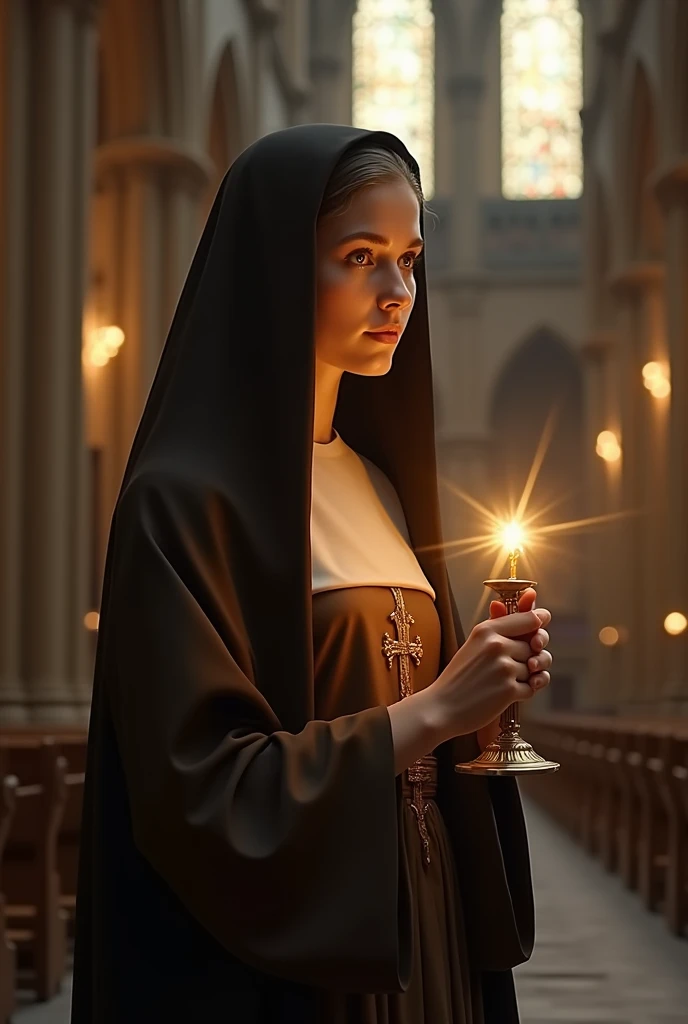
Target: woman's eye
[
  {"x": 359, "y": 257},
  {"x": 363, "y": 258}
]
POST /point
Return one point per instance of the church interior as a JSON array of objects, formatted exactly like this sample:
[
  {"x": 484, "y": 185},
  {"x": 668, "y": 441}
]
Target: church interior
[{"x": 552, "y": 137}]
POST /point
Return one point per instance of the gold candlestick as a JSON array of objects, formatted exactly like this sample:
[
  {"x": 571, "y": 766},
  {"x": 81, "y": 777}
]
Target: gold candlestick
[{"x": 509, "y": 754}]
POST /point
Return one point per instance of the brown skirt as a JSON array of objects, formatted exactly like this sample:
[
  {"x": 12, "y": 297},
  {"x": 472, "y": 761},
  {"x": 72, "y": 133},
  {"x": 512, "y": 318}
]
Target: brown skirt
[
  {"x": 442, "y": 990},
  {"x": 352, "y": 673}
]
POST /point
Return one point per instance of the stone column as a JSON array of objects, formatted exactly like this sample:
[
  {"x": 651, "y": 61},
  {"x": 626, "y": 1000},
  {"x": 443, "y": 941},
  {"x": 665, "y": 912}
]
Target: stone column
[
  {"x": 466, "y": 93},
  {"x": 672, "y": 190},
  {"x": 148, "y": 193},
  {"x": 600, "y": 690},
  {"x": 327, "y": 85},
  {"x": 14, "y": 111},
  {"x": 57, "y": 58},
  {"x": 463, "y": 438},
  {"x": 461, "y": 288},
  {"x": 640, "y": 569}
]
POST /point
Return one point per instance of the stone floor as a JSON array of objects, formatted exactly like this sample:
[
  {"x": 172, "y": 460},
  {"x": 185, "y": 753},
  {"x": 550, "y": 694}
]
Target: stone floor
[{"x": 599, "y": 959}]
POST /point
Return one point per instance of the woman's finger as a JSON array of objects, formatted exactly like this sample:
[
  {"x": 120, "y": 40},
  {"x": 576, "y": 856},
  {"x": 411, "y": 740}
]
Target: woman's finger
[
  {"x": 540, "y": 661},
  {"x": 545, "y": 615},
  {"x": 539, "y": 681},
  {"x": 519, "y": 650},
  {"x": 539, "y": 640}
]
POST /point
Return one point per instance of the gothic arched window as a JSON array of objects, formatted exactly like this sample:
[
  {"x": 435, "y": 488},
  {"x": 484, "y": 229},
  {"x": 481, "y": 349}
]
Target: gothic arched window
[
  {"x": 394, "y": 75},
  {"x": 542, "y": 72}
]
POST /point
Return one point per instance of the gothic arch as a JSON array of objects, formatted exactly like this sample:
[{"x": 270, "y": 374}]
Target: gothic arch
[
  {"x": 544, "y": 364},
  {"x": 226, "y": 121},
  {"x": 226, "y": 132}
]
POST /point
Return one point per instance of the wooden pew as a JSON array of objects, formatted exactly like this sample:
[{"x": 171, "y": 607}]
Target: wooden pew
[
  {"x": 611, "y": 800},
  {"x": 652, "y": 854},
  {"x": 8, "y": 951},
  {"x": 35, "y": 921},
  {"x": 625, "y": 781},
  {"x": 670, "y": 770},
  {"x": 22, "y": 748}
]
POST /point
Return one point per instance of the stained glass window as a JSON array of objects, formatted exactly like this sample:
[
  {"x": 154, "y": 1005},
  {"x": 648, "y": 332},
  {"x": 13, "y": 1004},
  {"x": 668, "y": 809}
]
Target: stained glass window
[
  {"x": 394, "y": 73},
  {"x": 541, "y": 98}
]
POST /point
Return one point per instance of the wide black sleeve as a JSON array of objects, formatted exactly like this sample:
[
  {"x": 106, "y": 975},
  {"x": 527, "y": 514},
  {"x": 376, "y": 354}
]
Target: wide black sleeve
[{"x": 283, "y": 846}]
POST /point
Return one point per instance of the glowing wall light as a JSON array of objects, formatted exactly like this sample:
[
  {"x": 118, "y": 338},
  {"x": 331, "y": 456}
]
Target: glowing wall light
[
  {"x": 102, "y": 344},
  {"x": 92, "y": 621},
  {"x": 609, "y": 636},
  {"x": 656, "y": 379},
  {"x": 608, "y": 447},
  {"x": 675, "y": 623}
]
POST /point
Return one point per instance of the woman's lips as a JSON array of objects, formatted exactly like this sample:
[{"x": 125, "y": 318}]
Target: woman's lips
[{"x": 386, "y": 337}]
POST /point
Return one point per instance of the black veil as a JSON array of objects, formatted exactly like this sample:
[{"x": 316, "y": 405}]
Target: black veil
[{"x": 208, "y": 782}]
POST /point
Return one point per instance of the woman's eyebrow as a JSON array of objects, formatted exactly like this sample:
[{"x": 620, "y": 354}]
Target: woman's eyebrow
[{"x": 370, "y": 236}]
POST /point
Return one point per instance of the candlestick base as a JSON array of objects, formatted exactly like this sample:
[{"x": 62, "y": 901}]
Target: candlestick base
[{"x": 509, "y": 754}]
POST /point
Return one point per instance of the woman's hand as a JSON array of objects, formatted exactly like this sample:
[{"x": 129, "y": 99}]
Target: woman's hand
[
  {"x": 489, "y": 672},
  {"x": 538, "y": 663}
]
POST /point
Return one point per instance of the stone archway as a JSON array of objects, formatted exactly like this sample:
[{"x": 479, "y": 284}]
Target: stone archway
[
  {"x": 541, "y": 379},
  {"x": 226, "y": 132}
]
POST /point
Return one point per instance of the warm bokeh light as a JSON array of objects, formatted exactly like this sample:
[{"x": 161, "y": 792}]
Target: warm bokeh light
[
  {"x": 661, "y": 388},
  {"x": 508, "y": 530},
  {"x": 102, "y": 344},
  {"x": 675, "y": 623},
  {"x": 91, "y": 621},
  {"x": 656, "y": 379},
  {"x": 609, "y": 636},
  {"x": 608, "y": 447}
]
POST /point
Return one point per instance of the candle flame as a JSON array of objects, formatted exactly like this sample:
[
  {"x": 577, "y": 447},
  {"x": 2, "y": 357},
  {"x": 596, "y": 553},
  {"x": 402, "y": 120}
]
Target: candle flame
[{"x": 512, "y": 537}]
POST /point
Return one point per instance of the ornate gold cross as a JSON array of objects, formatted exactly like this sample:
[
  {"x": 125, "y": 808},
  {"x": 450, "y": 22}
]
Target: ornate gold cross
[
  {"x": 404, "y": 648},
  {"x": 419, "y": 774}
]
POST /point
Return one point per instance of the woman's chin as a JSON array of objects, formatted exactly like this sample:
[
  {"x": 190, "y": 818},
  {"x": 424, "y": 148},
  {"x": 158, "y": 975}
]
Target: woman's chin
[{"x": 373, "y": 367}]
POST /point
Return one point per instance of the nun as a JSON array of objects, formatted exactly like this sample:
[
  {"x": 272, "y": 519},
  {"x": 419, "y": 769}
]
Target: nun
[{"x": 273, "y": 830}]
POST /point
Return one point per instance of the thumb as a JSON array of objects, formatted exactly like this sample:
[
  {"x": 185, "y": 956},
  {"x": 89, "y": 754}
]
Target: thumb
[{"x": 517, "y": 625}]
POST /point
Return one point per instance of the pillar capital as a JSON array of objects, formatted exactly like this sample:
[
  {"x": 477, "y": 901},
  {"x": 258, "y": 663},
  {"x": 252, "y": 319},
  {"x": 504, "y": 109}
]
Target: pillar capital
[
  {"x": 636, "y": 276},
  {"x": 599, "y": 344},
  {"x": 155, "y": 152}
]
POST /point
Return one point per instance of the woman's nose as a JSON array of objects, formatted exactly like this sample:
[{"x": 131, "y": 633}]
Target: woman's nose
[{"x": 397, "y": 296}]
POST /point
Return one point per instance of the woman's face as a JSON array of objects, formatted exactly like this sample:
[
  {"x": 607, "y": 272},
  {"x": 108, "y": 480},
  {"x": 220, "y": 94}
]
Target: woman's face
[{"x": 365, "y": 282}]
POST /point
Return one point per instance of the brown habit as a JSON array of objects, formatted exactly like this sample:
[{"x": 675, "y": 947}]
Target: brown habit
[{"x": 223, "y": 877}]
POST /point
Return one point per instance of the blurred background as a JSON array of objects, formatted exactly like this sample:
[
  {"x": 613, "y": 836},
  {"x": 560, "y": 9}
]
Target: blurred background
[{"x": 553, "y": 142}]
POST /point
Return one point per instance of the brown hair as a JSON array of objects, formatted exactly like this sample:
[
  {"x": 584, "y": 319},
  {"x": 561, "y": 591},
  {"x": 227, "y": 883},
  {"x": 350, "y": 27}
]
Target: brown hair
[{"x": 359, "y": 168}]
